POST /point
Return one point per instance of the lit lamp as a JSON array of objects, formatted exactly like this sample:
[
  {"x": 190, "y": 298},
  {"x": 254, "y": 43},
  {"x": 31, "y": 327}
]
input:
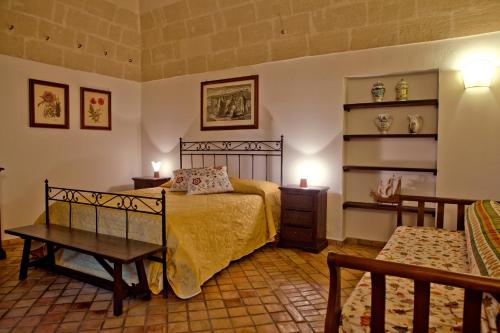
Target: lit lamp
[
  {"x": 156, "y": 168},
  {"x": 478, "y": 73},
  {"x": 303, "y": 182}
]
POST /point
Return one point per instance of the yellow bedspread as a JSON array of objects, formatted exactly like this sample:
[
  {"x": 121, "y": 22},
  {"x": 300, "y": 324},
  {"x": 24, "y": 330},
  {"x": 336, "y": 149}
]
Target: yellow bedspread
[{"x": 204, "y": 232}]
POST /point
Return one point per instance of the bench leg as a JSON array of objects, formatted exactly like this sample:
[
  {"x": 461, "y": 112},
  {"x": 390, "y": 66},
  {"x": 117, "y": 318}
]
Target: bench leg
[
  {"x": 143, "y": 280},
  {"x": 50, "y": 256},
  {"x": 117, "y": 289},
  {"x": 23, "y": 271}
]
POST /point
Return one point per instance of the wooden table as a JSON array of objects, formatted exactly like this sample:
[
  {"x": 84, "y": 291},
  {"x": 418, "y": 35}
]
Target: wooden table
[{"x": 2, "y": 251}]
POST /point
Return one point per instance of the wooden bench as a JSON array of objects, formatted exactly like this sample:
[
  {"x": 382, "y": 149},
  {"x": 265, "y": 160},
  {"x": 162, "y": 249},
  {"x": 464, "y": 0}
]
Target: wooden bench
[{"x": 104, "y": 248}]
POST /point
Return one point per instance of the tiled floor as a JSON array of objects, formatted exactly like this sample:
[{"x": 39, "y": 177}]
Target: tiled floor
[{"x": 271, "y": 290}]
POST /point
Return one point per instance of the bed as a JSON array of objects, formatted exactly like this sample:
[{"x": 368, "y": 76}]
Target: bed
[{"x": 204, "y": 233}]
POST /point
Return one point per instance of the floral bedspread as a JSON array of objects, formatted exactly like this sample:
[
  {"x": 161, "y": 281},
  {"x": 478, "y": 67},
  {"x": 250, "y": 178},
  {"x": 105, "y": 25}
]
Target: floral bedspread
[{"x": 423, "y": 246}]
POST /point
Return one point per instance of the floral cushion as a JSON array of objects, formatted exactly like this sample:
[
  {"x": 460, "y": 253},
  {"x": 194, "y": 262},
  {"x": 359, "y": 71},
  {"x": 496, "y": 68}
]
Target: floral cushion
[
  {"x": 180, "y": 181},
  {"x": 483, "y": 244},
  {"x": 483, "y": 238},
  {"x": 423, "y": 246},
  {"x": 208, "y": 180}
]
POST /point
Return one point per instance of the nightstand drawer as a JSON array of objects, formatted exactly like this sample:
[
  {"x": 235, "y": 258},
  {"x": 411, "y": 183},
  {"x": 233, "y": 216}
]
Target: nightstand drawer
[
  {"x": 298, "y": 201},
  {"x": 297, "y": 234},
  {"x": 299, "y": 218}
]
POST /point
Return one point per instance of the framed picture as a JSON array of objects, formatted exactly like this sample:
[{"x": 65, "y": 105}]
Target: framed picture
[
  {"x": 230, "y": 103},
  {"x": 95, "y": 109},
  {"x": 48, "y": 104}
]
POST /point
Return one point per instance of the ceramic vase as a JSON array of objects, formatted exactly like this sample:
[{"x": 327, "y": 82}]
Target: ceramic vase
[
  {"x": 402, "y": 90},
  {"x": 378, "y": 91},
  {"x": 383, "y": 122},
  {"x": 414, "y": 123}
]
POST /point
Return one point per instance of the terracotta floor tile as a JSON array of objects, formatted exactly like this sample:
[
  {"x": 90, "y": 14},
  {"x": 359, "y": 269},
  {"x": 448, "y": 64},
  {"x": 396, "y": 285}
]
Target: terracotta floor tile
[
  {"x": 288, "y": 327},
  {"x": 135, "y": 321},
  {"x": 237, "y": 311},
  {"x": 178, "y": 327},
  {"x": 271, "y": 290},
  {"x": 262, "y": 319},
  {"x": 113, "y": 323},
  {"x": 242, "y": 321},
  {"x": 199, "y": 325},
  {"x": 267, "y": 329},
  {"x": 156, "y": 319},
  {"x": 218, "y": 313}
]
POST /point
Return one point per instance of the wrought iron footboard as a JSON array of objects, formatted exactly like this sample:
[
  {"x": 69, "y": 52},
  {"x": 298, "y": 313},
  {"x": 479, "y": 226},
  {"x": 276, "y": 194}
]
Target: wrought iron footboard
[{"x": 118, "y": 201}]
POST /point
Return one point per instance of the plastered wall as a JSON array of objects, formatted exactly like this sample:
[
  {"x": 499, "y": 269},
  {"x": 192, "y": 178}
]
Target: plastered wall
[
  {"x": 303, "y": 98},
  {"x": 89, "y": 159}
]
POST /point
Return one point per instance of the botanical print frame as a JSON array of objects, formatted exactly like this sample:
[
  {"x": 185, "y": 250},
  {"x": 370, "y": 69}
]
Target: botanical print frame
[
  {"x": 48, "y": 104},
  {"x": 230, "y": 104},
  {"x": 95, "y": 109}
]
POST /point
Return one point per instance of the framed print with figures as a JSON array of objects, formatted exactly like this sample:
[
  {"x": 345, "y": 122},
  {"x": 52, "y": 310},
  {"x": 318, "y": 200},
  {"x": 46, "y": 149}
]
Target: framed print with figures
[{"x": 230, "y": 104}]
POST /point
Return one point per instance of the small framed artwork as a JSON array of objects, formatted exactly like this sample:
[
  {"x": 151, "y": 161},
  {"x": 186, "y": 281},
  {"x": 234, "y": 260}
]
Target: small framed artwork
[
  {"x": 48, "y": 104},
  {"x": 230, "y": 103},
  {"x": 95, "y": 109}
]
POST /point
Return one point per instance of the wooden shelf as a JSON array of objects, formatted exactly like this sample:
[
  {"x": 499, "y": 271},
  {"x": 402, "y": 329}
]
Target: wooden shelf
[
  {"x": 391, "y": 104},
  {"x": 388, "y": 168},
  {"x": 348, "y": 137},
  {"x": 386, "y": 207}
]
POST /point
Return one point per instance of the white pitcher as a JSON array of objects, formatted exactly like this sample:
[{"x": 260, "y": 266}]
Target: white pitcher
[{"x": 414, "y": 123}]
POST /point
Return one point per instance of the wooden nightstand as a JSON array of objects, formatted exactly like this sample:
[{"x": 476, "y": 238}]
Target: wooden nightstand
[
  {"x": 303, "y": 217},
  {"x": 145, "y": 182}
]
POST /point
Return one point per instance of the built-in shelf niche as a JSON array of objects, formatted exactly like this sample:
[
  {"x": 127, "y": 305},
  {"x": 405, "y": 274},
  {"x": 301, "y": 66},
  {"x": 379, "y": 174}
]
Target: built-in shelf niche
[{"x": 370, "y": 156}]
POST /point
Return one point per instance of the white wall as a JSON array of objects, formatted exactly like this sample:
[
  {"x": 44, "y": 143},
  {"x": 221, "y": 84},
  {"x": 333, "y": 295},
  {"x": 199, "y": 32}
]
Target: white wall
[
  {"x": 89, "y": 159},
  {"x": 302, "y": 99}
]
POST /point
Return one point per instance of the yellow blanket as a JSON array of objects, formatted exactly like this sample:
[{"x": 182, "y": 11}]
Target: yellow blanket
[{"x": 204, "y": 232}]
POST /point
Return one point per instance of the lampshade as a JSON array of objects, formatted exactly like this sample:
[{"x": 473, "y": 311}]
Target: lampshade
[
  {"x": 156, "y": 165},
  {"x": 156, "y": 168},
  {"x": 478, "y": 73}
]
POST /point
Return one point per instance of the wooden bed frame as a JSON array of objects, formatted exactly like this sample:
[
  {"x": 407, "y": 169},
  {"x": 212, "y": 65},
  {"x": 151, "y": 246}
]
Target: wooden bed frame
[{"x": 474, "y": 286}]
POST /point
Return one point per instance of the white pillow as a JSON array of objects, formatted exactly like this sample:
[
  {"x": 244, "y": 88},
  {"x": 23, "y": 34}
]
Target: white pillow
[{"x": 208, "y": 180}]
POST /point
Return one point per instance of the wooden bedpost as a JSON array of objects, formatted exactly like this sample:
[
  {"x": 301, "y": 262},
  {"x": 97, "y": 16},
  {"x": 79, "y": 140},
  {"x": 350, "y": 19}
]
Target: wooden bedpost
[{"x": 332, "y": 321}]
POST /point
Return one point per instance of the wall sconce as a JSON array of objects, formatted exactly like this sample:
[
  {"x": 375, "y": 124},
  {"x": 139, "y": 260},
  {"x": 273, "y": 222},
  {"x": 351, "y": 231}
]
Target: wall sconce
[
  {"x": 156, "y": 168},
  {"x": 478, "y": 73}
]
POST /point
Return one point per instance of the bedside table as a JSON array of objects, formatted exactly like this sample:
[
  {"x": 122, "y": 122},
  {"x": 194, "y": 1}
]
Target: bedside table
[
  {"x": 303, "y": 217},
  {"x": 145, "y": 182}
]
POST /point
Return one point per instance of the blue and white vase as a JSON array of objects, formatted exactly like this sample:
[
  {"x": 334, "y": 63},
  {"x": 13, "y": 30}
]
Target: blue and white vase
[{"x": 378, "y": 91}]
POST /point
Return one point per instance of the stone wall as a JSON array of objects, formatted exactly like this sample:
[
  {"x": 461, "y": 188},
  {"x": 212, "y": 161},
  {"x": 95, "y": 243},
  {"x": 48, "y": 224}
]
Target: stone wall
[
  {"x": 89, "y": 35},
  {"x": 190, "y": 36}
]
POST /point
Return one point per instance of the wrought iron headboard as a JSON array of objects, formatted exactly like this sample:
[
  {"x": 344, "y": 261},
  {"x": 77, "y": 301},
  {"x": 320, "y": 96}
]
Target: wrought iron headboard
[{"x": 253, "y": 149}]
